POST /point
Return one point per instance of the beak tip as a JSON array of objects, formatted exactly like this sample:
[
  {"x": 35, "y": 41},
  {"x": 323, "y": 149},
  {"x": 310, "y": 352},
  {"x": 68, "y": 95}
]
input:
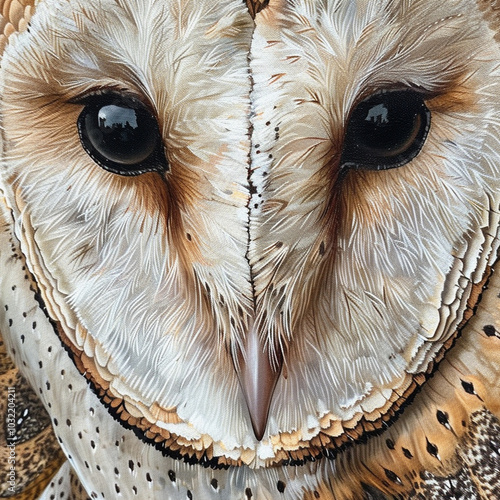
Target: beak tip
[
  {"x": 259, "y": 422},
  {"x": 258, "y": 376},
  {"x": 259, "y": 433}
]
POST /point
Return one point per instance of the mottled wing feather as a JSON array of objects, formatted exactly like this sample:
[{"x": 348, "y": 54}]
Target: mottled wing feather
[{"x": 37, "y": 453}]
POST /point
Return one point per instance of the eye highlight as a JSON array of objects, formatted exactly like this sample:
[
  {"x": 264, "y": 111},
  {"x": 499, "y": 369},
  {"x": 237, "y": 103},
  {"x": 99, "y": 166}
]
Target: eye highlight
[
  {"x": 386, "y": 130},
  {"x": 121, "y": 135}
]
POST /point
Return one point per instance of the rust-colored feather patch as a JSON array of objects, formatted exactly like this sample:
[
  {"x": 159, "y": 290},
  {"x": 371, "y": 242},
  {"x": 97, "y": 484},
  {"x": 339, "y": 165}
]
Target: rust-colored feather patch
[{"x": 14, "y": 17}]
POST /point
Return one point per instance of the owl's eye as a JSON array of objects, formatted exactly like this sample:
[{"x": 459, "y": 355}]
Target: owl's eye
[
  {"x": 386, "y": 130},
  {"x": 121, "y": 135}
]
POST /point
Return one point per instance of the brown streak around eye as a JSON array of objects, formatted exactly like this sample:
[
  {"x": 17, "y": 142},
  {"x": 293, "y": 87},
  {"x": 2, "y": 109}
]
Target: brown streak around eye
[{"x": 457, "y": 99}]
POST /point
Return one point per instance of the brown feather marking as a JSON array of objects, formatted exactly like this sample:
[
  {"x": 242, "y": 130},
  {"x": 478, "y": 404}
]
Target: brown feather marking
[{"x": 255, "y": 6}]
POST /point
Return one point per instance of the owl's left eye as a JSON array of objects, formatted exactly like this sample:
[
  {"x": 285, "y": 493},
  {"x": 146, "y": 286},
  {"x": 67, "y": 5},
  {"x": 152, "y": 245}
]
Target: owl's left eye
[
  {"x": 121, "y": 135},
  {"x": 386, "y": 130}
]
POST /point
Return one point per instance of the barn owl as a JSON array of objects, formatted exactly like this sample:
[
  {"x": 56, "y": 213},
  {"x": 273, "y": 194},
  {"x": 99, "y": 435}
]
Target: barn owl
[{"x": 249, "y": 249}]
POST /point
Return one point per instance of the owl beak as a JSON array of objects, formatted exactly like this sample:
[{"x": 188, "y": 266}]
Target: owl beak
[{"x": 258, "y": 372}]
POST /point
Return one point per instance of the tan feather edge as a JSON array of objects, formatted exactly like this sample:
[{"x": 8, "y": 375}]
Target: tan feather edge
[{"x": 15, "y": 16}]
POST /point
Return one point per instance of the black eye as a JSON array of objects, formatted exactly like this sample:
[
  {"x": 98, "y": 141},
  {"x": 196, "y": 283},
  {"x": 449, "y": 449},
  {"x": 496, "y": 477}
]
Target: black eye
[
  {"x": 121, "y": 135},
  {"x": 387, "y": 130}
]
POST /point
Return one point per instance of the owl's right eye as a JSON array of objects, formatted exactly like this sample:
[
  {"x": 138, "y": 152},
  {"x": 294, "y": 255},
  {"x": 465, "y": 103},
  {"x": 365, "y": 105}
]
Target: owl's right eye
[
  {"x": 386, "y": 130},
  {"x": 121, "y": 135}
]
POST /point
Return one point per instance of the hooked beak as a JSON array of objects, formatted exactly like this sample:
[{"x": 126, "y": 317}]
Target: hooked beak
[{"x": 258, "y": 371}]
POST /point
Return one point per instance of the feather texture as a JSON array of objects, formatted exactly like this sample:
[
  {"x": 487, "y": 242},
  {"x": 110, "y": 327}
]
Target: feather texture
[{"x": 147, "y": 311}]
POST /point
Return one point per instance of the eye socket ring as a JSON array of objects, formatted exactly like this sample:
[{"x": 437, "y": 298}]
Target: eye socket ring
[
  {"x": 386, "y": 130},
  {"x": 121, "y": 134}
]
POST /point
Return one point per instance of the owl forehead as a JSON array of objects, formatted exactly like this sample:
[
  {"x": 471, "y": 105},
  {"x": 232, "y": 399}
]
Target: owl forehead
[{"x": 363, "y": 47}]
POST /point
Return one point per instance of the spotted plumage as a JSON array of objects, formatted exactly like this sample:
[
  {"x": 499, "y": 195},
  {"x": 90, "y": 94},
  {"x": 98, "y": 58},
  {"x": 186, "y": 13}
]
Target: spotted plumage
[{"x": 249, "y": 249}]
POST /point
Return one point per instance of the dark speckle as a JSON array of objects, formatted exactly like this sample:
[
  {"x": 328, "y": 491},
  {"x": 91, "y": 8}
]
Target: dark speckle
[
  {"x": 469, "y": 388},
  {"x": 407, "y": 453},
  {"x": 248, "y": 493},
  {"x": 392, "y": 476},
  {"x": 443, "y": 418},
  {"x": 489, "y": 330},
  {"x": 189, "y": 495},
  {"x": 390, "y": 444},
  {"x": 171, "y": 475},
  {"x": 281, "y": 486},
  {"x": 432, "y": 449}
]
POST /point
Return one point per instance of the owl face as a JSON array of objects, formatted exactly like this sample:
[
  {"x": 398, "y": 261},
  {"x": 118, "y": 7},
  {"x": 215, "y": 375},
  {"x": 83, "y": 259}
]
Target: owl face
[{"x": 255, "y": 237}]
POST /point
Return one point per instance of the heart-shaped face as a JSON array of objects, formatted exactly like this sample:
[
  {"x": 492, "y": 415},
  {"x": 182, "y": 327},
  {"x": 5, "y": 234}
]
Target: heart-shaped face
[{"x": 256, "y": 229}]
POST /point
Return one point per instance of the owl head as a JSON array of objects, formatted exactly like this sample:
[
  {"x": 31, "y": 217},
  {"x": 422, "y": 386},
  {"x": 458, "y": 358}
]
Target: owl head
[{"x": 256, "y": 229}]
